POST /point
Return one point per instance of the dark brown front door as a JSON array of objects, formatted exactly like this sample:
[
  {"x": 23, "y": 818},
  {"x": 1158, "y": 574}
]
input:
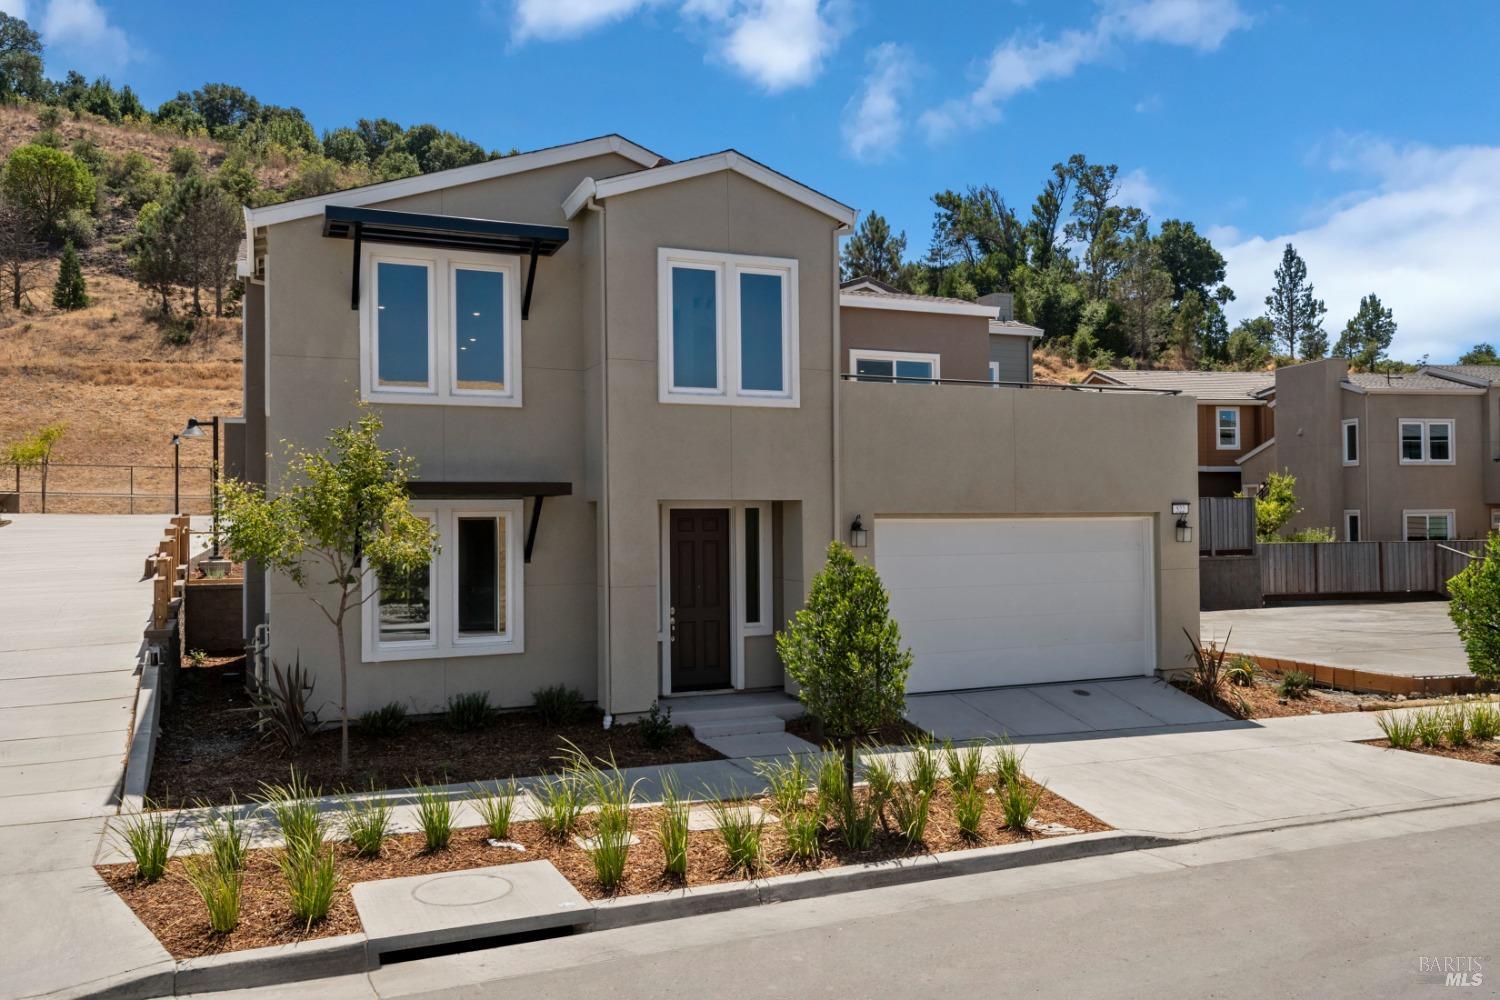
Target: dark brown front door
[{"x": 701, "y": 607}]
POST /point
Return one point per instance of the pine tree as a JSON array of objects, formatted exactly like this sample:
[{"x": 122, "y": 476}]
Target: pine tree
[
  {"x": 70, "y": 291},
  {"x": 873, "y": 252},
  {"x": 1368, "y": 334},
  {"x": 1292, "y": 310}
]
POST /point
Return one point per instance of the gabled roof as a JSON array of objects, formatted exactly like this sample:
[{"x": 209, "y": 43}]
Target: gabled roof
[
  {"x": 865, "y": 283},
  {"x": 1269, "y": 442},
  {"x": 303, "y": 208},
  {"x": 872, "y": 298},
  {"x": 1480, "y": 375},
  {"x": 1015, "y": 328},
  {"x": 729, "y": 159},
  {"x": 1216, "y": 387},
  {"x": 1408, "y": 382}
]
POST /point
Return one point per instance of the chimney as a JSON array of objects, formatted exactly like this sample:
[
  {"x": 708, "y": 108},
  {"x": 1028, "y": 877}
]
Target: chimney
[{"x": 1004, "y": 301}]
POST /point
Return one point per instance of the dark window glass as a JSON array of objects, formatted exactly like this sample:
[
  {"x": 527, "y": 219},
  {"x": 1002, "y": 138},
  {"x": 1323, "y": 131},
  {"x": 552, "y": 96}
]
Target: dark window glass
[
  {"x": 872, "y": 370},
  {"x": 480, "y": 602},
  {"x": 761, "y": 348},
  {"x": 752, "y": 565},
  {"x": 401, "y": 324},
  {"x": 1353, "y": 528},
  {"x": 1437, "y": 443},
  {"x": 1411, "y": 442},
  {"x": 479, "y": 299},
  {"x": 695, "y": 328},
  {"x": 912, "y": 371},
  {"x": 406, "y": 606},
  {"x": 1351, "y": 442}
]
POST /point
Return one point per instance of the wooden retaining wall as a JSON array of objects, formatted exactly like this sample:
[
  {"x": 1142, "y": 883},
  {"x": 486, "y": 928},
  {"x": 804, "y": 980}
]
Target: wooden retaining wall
[{"x": 1312, "y": 569}]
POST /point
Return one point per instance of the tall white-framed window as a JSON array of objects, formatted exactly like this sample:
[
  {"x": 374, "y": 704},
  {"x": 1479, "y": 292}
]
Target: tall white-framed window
[
  {"x": 1427, "y": 525},
  {"x": 908, "y": 367},
  {"x": 727, "y": 329},
  {"x": 440, "y": 326},
  {"x": 1227, "y": 422},
  {"x": 1350, "y": 437},
  {"x": 755, "y": 566},
  {"x": 1425, "y": 442},
  {"x": 1351, "y": 526},
  {"x": 467, "y": 602},
  {"x": 995, "y": 371}
]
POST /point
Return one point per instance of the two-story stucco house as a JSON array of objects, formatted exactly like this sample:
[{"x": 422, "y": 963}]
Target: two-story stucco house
[{"x": 633, "y": 391}]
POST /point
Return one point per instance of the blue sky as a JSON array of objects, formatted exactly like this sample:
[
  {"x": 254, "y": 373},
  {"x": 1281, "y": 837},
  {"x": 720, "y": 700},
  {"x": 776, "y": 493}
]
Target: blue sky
[{"x": 1366, "y": 132}]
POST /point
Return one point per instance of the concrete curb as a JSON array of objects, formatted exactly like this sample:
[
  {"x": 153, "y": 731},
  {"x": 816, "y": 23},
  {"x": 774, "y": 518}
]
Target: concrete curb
[
  {"x": 335, "y": 956},
  {"x": 143, "y": 737}
]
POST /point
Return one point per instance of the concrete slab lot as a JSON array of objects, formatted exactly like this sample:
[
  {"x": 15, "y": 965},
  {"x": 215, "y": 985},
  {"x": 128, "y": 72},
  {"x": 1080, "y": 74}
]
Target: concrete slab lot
[{"x": 1408, "y": 638}]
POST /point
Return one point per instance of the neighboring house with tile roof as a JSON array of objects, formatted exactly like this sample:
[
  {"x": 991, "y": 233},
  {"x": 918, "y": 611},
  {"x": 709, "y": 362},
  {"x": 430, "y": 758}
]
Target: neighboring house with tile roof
[
  {"x": 1236, "y": 415},
  {"x": 1382, "y": 457}
]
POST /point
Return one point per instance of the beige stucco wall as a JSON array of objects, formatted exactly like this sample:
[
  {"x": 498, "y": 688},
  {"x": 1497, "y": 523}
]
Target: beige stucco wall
[
  {"x": 661, "y": 452},
  {"x": 969, "y": 450},
  {"x": 961, "y": 342},
  {"x": 313, "y": 384}
]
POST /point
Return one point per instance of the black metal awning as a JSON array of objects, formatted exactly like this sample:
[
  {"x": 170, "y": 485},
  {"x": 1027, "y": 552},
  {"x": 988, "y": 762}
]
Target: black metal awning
[
  {"x": 421, "y": 489},
  {"x": 451, "y": 232}
]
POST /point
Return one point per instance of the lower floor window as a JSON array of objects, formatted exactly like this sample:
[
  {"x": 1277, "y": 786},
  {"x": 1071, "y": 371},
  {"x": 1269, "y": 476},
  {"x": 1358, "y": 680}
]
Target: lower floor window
[
  {"x": 1351, "y": 526},
  {"x": 894, "y": 366},
  {"x": 1428, "y": 525},
  {"x": 466, "y": 602}
]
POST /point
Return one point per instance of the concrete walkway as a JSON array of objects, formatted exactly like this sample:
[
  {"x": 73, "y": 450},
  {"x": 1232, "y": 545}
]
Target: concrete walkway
[
  {"x": 1407, "y": 638},
  {"x": 72, "y": 610}
]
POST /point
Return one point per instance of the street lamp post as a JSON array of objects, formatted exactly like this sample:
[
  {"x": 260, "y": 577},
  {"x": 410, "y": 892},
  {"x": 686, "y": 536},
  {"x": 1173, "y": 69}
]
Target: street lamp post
[
  {"x": 177, "y": 473},
  {"x": 194, "y": 429}
]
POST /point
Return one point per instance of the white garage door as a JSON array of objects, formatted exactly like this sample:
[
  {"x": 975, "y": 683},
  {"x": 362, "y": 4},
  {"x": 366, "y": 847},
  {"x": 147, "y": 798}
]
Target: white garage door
[{"x": 989, "y": 601}]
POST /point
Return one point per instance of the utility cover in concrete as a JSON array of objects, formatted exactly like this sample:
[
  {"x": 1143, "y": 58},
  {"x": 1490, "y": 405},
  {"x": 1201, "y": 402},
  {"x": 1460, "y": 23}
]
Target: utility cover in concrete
[{"x": 425, "y": 910}]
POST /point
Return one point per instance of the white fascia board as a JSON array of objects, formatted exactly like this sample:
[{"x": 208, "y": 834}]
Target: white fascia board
[
  {"x": 581, "y": 195},
  {"x": 1021, "y": 330},
  {"x": 1225, "y": 400},
  {"x": 1468, "y": 380},
  {"x": 244, "y": 266},
  {"x": 304, "y": 208},
  {"x": 727, "y": 160},
  {"x": 1268, "y": 442},
  {"x": 892, "y": 303},
  {"x": 1407, "y": 391}
]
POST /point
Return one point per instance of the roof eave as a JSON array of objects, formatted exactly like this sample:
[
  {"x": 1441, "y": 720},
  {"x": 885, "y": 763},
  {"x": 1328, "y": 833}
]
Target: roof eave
[{"x": 858, "y": 300}]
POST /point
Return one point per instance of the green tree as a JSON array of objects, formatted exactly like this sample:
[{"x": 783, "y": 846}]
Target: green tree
[
  {"x": 844, "y": 651},
  {"x": 1189, "y": 329},
  {"x": 69, "y": 291},
  {"x": 976, "y": 242},
  {"x": 1191, "y": 260},
  {"x": 20, "y": 60},
  {"x": 1480, "y": 354},
  {"x": 345, "y": 511},
  {"x": 1143, "y": 290},
  {"x": 206, "y": 227},
  {"x": 1367, "y": 335},
  {"x": 45, "y": 184},
  {"x": 1046, "y": 214},
  {"x": 1250, "y": 343},
  {"x": 1049, "y": 298},
  {"x": 35, "y": 452},
  {"x": 1275, "y": 505},
  {"x": 1100, "y": 226},
  {"x": 345, "y": 146},
  {"x": 1474, "y": 606},
  {"x": 155, "y": 255},
  {"x": 1296, "y": 315},
  {"x": 394, "y": 164},
  {"x": 874, "y": 252}
]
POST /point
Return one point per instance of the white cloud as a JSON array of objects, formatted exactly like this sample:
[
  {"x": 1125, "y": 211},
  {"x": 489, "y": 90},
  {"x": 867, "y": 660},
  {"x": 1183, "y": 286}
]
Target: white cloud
[
  {"x": 82, "y": 31},
  {"x": 1424, "y": 236},
  {"x": 1027, "y": 59},
  {"x": 779, "y": 44},
  {"x": 1137, "y": 189},
  {"x": 15, "y": 8},
  {"x": 874, "y": 120},
  {"x": 557, "y": 19},
  {"x": 1148, "y": 105}
]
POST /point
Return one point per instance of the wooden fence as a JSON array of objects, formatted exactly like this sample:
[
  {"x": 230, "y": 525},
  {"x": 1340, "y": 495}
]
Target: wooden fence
[
  {"x": 1329, "y": 569},
  {"x": 1226, "y": 525},
  {"x": 168, "y": 569}
]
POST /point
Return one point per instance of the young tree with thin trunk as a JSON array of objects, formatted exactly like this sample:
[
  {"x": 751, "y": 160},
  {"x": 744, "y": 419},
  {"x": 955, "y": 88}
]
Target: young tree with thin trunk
[
  {"x": 343, "y": 516},
  {"x": 1293, "y": 311},
  {"x": 35, "y": 452},
  {"x": 156, "y": 259},
  {"x": 21, "y": 256}
]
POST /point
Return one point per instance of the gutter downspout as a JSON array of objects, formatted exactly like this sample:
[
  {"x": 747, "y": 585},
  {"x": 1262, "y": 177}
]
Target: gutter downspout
[
  {"x": 605, "y": 611},
  {"x": 838, "y": 382}
]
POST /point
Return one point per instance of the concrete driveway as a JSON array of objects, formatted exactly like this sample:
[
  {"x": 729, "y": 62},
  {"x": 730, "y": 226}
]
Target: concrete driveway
[
  {"x": 1408, "y": 638},
  {"x": 1035, "y": 711}
]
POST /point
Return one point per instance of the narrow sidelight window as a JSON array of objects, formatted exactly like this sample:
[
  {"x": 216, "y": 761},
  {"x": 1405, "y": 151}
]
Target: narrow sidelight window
[
  {"x": 752, "y": 566},
  {"x": 401, "y": 325},
  {"x": 695, "y": 328},
  {"x": 1229, "y": 428},
  {"x": 479, "y": 330},
  {"x": 480, "y": 576},
  {"x": 1351, "y": 442},
  {"x": 762, "y": 338}
]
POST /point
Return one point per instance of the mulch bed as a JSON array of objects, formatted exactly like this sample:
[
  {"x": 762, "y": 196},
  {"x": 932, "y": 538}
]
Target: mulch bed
[
  {"x": 1263, "y": 701},
  {"x": 1476, "y": 752},
  {"x": 209, "y": 749},
  {"x": 175, "y": 914}
]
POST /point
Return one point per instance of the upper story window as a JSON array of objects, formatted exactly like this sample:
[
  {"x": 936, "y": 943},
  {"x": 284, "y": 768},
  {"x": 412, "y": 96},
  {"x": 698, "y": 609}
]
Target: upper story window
[
  {"x": 894, "y": 366},
  {"x": 1350, "y": 430},
  {"x": 440, "y": 327},
  {"x": 1426, "y": 442},
  {"x": 728, "y": 329},
  {"x": 1227, "y": 420}
]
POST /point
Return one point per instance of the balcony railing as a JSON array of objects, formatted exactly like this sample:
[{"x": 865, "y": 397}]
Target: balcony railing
[{"x": 1068, "y": 386}]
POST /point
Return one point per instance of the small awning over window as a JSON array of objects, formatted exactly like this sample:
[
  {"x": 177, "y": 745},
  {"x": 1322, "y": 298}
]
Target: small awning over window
[
  {"x": 422, "y": 489},
  {"x": 451, "y": 232}
]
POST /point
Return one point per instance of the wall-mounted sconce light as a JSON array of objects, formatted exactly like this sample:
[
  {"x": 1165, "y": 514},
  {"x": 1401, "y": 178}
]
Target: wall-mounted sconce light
[
  {"x": 857, "y": 536},
  {"x": 1184, "y": 530}
]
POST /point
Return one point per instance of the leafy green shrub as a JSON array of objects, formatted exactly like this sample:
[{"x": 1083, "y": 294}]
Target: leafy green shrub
[
  {"x": 672, "y": 828},
  {"x": 496, "y": 808},
  {"x": 386, "y": 721},
  {"x": 1475, "y": 608},
  {"x": 964, "y": 765},
  {"x": 470, "y": 712},
  {"x": 219, "y": 888},
  {"x": 435, "y": 817},
  {"x": 1399, "y": 729},
  {"x": 365, "y": 823},
  {"x": 183, "y": 161},
  {"x": 311, "y": 879},
  {"x": 656, "y": 727},
  {"x": 282, "y": 715},
  {"x": 77, "y": 227},
  {"x": 148, "y": 838},
  {"x": 1018, "y": 802},
  {"x": 559, "y": 705},
  {"x": 1484, "y": 721},
  {"x": 740, "y": 828},
  {"x": 559, "y": 802},
  {"x": 295, "y": 810},
  {"x": 968, "y": 811},
  {"x": 1294, "y": 684}
]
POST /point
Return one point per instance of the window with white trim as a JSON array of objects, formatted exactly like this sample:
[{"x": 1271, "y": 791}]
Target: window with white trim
[
  {"x": 1351, "y": 526},
  {"x": 1227, "y": 420},
  {"x": 994, "y": 371},
  {"x": 755, "y": 563},
  {"x": 727, "y": 329},
  {"x": 1495, "y": 518},
  {"x": 1350, "y": 430},
  {"x": 467, "y": 601},
  {"x": 440, "y": 326},
  {"x": 1426, "y": 442},
  {"x": 894, "y": 366},
  {"x": 1427, "y": 525}
]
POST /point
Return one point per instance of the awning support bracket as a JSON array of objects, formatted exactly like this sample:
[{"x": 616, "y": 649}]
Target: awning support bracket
[
  {"x": 354, "y": 285},
  {"x": 536, "y": 516},
  {"x": 530, "y": 281}
]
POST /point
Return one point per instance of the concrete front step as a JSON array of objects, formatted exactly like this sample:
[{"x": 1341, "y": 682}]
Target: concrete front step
[{"x": 737, "y": 725}]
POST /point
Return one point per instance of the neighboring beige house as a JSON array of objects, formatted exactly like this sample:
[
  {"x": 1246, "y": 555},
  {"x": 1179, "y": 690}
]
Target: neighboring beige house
[
  {"x": 1387, "y": 457},
  {"x": 1236, "y": 415},
  {"x": 625, "y": 383}
]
